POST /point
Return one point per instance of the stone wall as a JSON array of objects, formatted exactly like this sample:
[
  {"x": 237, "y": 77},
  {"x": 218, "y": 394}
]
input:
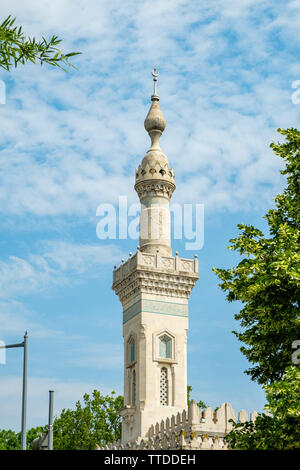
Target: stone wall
[{"x": 193, "y": 429}]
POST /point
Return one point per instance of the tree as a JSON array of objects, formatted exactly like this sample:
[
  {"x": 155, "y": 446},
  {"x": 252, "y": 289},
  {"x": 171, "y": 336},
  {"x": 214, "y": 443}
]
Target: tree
[
  {"x": 96, "y": 422},
  {"x": 281, "y": 431},
  {"x": 16, "y": 49},
  {"x": 10, "y": 440},
  {"x": 200, "y": 403},
  {"x": 267, "y": 280}
]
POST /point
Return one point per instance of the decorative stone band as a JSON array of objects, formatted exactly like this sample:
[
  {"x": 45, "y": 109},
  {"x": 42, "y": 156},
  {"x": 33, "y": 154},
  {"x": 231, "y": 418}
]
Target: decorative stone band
[
  {"x": 155, "y": 274},
  {"x": 156, "y": 307},
  {"x": 150, "y": 170},
  {"x": 193, "y": 429},
  {"x": 151, "y": 188},
  {"x": 145, "y": 281}
]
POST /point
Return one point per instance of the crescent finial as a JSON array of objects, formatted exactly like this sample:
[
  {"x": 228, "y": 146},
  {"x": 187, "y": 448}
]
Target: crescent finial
[{"x": 155, "y": 74}]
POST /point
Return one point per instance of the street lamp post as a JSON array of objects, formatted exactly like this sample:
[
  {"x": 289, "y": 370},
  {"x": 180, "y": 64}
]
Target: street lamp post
[
  {"x": 24, "y": 395},
  {"x": 50, "y": 426},
  {"x": 24, "y": 345}
]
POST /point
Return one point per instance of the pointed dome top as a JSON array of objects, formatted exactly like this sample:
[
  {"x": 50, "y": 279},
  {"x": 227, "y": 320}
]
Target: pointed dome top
[
  {"x": 155, "y": 119},
  {"x": 155, "y": 164}
]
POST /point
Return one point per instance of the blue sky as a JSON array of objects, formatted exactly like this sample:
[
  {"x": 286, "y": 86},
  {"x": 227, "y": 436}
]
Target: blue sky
[{"x": 70, "y": 142}]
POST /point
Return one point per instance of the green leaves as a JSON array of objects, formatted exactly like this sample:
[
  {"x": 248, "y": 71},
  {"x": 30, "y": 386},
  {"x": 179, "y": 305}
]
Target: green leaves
[
  {"x": 200, "y": 403},
  {"x": 281, "y": 431},
  {"x": 267, "y": 279},
  {"x": 266, "y": 433},
  {"x": 95, "y": 422},
  {"x": 284, "y": 396},
  {"x": 267, "y": 282},
  {"x": 10, "y": 440},
  {"x": 16, "y": 49}
]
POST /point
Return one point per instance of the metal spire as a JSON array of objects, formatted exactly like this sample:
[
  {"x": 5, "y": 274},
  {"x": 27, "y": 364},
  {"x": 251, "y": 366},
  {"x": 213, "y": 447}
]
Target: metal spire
[{"x": 155, "y": 75}]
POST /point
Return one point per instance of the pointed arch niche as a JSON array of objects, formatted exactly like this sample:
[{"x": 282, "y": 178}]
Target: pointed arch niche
[
  {"x": 164, "y": 346},
  {"x": 131, "y": 350}
]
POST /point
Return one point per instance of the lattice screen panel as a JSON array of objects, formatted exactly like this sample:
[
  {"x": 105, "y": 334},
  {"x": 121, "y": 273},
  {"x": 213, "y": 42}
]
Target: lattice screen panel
[
  {"x": 133, "y": 387},
  {"x": 164, "y": 386}
]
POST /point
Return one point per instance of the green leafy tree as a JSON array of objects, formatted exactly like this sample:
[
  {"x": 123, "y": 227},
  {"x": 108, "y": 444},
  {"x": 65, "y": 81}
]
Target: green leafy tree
[
  {"x": 16, "y": 49},
  {"x": 200, "y": 403},
  {"x": 281, "y": 431},
  {"x": 32, "y": 434},
  {"x": 10, "y": 440},
  {"x": 95, "y": 422},
  {"x": 267, "y": 279},
  {"x": 284, "y": 396}
]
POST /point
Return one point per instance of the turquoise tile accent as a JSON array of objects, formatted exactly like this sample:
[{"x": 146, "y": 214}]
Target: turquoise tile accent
[{"x": 155, "y": 306}]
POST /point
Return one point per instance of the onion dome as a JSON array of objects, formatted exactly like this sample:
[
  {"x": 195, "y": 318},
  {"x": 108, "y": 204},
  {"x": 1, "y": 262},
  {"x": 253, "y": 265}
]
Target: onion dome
[{"x": 155, "y": 164}]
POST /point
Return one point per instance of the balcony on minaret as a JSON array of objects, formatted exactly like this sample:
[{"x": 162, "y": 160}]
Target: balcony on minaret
[
  {"x": 143, "y": 263},
  {"x": 157, "y": 262}
]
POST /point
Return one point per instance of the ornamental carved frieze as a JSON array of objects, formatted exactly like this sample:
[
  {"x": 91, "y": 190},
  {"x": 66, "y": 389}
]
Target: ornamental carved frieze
[
  {"x": 159, "y": 283},
  {"x": 154, "y": 189},
  {"x": 154, "y": 169}
]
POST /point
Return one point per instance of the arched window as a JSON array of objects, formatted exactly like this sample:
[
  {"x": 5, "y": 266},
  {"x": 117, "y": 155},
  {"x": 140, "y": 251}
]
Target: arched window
[
  {"x": 131, "y": 350},
  {"x": 165, "y": 347},
  {"x": 164, "y": 387},
  {"x": 133, "y": 393}
]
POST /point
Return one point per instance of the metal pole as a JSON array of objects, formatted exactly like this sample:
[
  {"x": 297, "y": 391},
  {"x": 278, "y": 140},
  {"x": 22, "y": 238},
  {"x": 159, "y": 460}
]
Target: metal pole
[
  {"x": 50, "y": 426},
  {"x": 24, "y": 394}
]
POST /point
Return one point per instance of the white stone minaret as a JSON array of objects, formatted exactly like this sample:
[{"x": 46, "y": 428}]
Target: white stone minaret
[{"x": 154, "y": 288}]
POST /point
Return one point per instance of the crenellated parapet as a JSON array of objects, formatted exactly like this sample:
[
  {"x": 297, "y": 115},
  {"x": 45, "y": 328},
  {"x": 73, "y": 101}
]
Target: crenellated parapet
[
  {"x": 194, "y": 429},
  {"x": 155, "y": 274},
  {"x": 202, "y": 422}
]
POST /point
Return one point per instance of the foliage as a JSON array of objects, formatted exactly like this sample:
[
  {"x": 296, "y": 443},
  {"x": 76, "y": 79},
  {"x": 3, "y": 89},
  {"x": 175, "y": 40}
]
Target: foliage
[
  {"x": 200, "y": 403},
  {"x": 267, "y": 280},
  {"x": 284, "y": 396},
  {"x": 96, "y": 421},
  {"x": 10, "y": 440},
  {"x": 32, "y": 434},
  {"x": 281, "y": 431},
  {"x": 16, "y": 49},
  {"x": 265, "y": 433}
]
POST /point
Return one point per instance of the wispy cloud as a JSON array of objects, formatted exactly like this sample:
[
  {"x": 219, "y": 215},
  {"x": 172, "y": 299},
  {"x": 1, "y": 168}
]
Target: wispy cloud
[
  {"x": 16, "y": 318},
  {"x": 70, "y": 142},
  {"x": 54, "y": 264},
  {"x": 99, "y": 356}
]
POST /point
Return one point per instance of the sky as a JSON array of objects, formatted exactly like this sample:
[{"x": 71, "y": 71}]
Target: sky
[{"x": 70, "y": 142}]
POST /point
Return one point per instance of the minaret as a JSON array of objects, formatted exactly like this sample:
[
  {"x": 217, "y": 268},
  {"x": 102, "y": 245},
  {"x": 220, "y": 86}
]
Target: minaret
[
  {"x": 155, "y": 185},
  {"x": 154, "y": 288}
]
